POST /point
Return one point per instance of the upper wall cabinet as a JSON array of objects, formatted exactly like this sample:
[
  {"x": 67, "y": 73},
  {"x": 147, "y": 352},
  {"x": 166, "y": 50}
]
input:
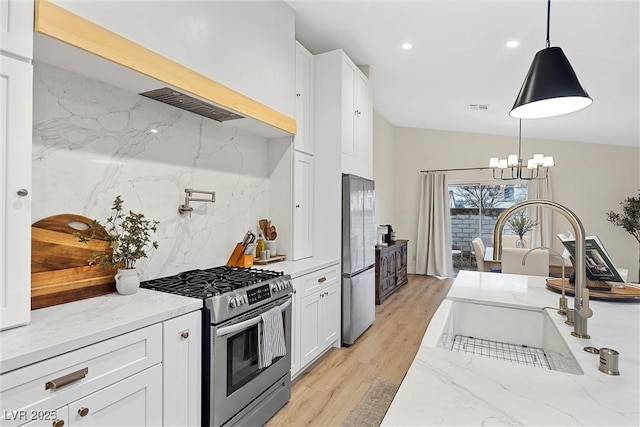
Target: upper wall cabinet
[
  {"x": 344, "y": 84},
  {"x": 236, "y": 55},
  {"x": 16, "y": 31},
  {"x": 304, "y": 99},
  {"x": 16, "y": 97}
]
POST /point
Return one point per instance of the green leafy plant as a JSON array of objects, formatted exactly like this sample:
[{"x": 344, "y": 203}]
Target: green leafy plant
[
  {"x": 521, "y": 224},
  {"x": 629, "y": 219},
  {"x": 129, "y": 237}
]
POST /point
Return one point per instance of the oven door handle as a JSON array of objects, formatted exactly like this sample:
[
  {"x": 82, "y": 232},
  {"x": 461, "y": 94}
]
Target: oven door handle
[{"x": 226, "y": 330}]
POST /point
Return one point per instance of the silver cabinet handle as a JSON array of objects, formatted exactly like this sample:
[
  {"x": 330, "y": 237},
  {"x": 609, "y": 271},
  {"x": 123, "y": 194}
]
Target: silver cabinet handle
[
  {"x": 66, "y": 379},
  {"x": 23, "y": 192},
  {"x": 58, "y": 423},
  {"x": 83, "y": 412},
  {"x": 184, "y": 335},
  {"x": 322, "y": 279}
]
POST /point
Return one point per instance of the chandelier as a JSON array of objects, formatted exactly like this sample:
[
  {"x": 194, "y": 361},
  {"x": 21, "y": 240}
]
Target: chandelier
[{"x": 513, "y": 166}]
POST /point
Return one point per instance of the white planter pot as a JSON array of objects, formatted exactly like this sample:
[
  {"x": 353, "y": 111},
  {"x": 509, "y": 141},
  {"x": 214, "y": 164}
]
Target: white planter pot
[{"x": 127, "y": 281}]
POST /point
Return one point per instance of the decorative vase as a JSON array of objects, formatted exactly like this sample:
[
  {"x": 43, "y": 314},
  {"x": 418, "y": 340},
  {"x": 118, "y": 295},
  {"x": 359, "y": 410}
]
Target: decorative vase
[
  {"x": 127, "y": 281},
  {"x": 521, "y": 243}
]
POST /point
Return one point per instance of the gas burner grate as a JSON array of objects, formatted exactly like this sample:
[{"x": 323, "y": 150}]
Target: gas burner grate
[
  {"x": 514, "y": 353},
  {"x": 209, "y": 282}
]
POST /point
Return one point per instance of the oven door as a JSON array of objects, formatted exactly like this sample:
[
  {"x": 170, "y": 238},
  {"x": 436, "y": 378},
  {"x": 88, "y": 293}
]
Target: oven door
[{"x": 236, "y": 379}]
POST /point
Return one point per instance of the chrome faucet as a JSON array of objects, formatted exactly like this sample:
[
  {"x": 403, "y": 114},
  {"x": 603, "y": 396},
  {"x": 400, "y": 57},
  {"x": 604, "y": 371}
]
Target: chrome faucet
[
  {"x": 562, "y": 309},
  {"x": 581, "y": 299}
]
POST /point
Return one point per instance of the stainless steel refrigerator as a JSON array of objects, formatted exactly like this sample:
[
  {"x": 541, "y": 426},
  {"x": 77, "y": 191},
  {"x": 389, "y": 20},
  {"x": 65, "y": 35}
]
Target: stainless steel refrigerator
[{"x": 358, "y": 257}]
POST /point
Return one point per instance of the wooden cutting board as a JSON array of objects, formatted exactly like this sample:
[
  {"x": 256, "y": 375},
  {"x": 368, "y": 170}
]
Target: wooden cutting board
[
  {"x": 626, "y": 294},
  {"x": 60, "y": 271}
]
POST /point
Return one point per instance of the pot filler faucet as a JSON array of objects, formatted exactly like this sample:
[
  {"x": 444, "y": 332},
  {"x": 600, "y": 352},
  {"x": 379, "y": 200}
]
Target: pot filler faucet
[{"x": 581, "y": 301}]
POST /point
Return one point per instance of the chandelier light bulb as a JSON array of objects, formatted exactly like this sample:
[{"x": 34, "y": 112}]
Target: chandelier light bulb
[
  {"x": 512, "y": 160},
  {"x": 493, "y": 162}
]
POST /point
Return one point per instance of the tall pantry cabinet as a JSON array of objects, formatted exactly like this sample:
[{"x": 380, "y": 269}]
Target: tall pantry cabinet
[
  {"x": 16, "y": 98},
  {"x": 343, "y": 140}
]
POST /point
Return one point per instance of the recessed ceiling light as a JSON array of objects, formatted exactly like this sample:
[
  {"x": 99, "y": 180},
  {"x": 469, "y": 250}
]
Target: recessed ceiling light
[
  {"x": 513, "y": 43},
  {"x": 406, "y": 46},
  {"x": 153, "y": 130}
]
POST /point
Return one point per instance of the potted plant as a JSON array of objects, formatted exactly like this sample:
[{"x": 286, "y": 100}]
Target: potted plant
[
  {"x": 129, "y": 237},
  {"x": 520, "y": 225},
  {"x": 629, "y": 219}
]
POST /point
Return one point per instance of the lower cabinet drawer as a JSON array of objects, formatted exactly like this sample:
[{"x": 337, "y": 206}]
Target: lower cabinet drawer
[
  {"x": 55, "y": 382},
  {"x": 312, "y": 282}
]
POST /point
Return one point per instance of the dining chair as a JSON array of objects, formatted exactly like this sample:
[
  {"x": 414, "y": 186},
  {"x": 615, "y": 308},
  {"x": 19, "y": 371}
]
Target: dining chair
[
  {"x": 478, "y": 248},
  {"x": 537, "y": 262},
  {"x": 456, "y": 253}
]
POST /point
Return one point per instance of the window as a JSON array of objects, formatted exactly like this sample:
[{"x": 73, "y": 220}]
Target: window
[{"x": 475, "y": 208}]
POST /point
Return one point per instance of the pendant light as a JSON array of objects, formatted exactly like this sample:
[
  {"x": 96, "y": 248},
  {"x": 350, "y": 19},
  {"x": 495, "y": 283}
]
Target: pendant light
[{"x": 551, "y": 87}]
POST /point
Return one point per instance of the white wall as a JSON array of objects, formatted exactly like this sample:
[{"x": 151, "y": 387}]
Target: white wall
[
  {"x": 383, "y": 169},
  {"x": 589, "y": 179}
]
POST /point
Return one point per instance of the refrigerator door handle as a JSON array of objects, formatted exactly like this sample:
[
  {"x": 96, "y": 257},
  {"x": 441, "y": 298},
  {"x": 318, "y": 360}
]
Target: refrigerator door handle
[{"x": 350, "y": 275}]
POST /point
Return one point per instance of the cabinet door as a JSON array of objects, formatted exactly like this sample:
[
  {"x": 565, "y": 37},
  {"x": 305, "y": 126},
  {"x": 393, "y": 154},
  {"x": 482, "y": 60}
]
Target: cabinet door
[
  {"x": 349, "y": 107},
  {"x": 16, "y": 93},
  {"x": 303, "y": 139},
  {"x": 329, "y": 323},
  {"x": 303, "y": 206},
  {"x": 16, "y": 27},
  {"x": 309, "y": 334},
  {"x": 363, "y": 144},
  {"x": 295, "y": 331},
  {"x": 134, "y": 401},
  {"x": 182, "y": 370}
]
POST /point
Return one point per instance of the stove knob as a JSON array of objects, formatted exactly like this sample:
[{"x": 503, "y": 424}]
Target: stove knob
[
  {"x": 274, "y": 287},
  {"x": 232, "y": 302},
  {"x": 244, "y": 299}
]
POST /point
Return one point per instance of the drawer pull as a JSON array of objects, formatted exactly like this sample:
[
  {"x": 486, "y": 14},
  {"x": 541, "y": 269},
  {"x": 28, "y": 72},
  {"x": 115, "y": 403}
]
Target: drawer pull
[
  {"x": 58, "y": 423},
  {"x": 66, "y": 380},
  {"x": 185, "y": 335},
  {"x": 322, "y": 279},
  {"x": 83, "y": 412}
]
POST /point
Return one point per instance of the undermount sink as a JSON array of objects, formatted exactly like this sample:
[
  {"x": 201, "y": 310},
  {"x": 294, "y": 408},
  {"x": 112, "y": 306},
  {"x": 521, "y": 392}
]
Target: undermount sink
[{"x": 514, "y": 335}]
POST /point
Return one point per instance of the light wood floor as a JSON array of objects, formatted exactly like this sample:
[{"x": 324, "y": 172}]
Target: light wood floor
[{"x": 326, "y": 392}]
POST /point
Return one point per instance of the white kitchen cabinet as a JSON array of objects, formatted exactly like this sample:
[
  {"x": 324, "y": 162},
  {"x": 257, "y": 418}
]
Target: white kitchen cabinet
[
  {"x": 84, "y": 378},
  {"x": 147, "y": 377},
  {"x": 302, "y": 205},
  {"x": 133, "y": 401},
  {"x": 16, "y": 97},
  {"x": 16, "y": 28},
  {"x": 182, "y": 370},
  {"x": 303, "y": 140},
  {"x": 344, "y": 84},
  {"x": 319, "y": 314}
]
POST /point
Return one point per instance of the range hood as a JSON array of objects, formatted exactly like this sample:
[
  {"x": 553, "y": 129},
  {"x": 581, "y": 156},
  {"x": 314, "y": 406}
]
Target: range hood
[
  {"x": 185, "y": 102},
  {"x": 61, "y": 39}
]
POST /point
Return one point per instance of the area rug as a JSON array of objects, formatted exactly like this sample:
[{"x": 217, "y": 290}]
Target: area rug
[{"x": 374, "y": 404}]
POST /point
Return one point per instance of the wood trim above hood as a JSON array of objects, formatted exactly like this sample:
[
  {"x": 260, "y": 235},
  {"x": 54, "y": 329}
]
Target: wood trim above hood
[{"x": 63, "y": 25}]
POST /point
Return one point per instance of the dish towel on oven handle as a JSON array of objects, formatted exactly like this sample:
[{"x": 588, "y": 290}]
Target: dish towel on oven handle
[{"x": 271, "y": 337}]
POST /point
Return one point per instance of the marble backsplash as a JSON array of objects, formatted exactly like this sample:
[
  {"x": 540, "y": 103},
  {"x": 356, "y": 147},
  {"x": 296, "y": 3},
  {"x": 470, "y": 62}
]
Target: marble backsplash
[{"x": 93, "y": 141}]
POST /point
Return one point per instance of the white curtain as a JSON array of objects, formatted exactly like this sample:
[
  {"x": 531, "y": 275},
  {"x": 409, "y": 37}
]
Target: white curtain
[
  {"x": 542, "y": 234},
  {"x": 433, "y": 254}
]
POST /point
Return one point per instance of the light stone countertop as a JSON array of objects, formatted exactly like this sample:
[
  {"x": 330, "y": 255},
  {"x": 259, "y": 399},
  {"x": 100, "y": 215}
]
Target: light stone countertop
[
  {"x": 66, "y": 327},
  {"x": 449, "y": 388},
  {"x": 300, "y": 267}
]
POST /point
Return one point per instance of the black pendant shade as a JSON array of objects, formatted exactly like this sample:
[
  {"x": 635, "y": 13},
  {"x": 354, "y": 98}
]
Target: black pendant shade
[{"x": 551, "y": 88}]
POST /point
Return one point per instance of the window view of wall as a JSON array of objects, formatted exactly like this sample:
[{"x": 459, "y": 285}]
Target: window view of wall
[{"x": 475, "y": 208}]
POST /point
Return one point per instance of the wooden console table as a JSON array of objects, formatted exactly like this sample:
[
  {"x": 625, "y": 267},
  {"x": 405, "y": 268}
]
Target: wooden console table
[{"x": 391, "y": 269}]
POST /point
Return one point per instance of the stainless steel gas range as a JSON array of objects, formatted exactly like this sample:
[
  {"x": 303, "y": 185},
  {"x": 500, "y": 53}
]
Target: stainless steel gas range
[{"x": 235, "y": 390}]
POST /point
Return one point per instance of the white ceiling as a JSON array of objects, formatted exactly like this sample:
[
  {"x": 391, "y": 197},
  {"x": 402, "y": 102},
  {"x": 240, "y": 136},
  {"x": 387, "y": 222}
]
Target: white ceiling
[{"x": 459, "y": 57}]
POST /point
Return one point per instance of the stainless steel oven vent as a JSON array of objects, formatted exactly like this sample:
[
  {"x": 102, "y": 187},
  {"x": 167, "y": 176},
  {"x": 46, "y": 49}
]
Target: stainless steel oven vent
[{"x": 191, "y": 104}]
